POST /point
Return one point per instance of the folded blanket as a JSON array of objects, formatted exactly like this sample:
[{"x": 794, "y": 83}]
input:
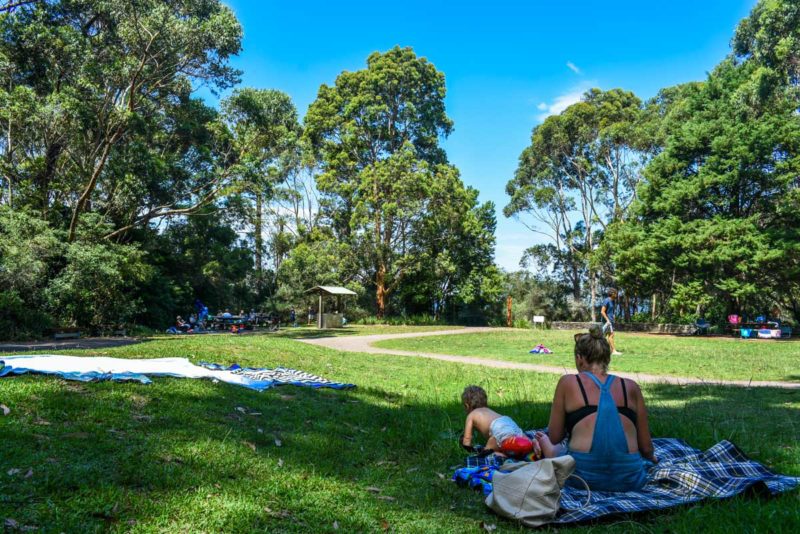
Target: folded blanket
[
  {"x": 90, "y": 369},
  {"x": 683, "y": 475}
]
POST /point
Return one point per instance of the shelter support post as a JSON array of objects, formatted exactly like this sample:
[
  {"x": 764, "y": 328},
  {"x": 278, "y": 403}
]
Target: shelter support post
[{"x": 319, "y": 314}]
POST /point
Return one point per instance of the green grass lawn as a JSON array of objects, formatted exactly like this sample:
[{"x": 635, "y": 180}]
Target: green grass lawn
[
  {"x": 192, "y": 456},
  {"x": 692, "y": 357},
  {"x": 306, "y": 331}
]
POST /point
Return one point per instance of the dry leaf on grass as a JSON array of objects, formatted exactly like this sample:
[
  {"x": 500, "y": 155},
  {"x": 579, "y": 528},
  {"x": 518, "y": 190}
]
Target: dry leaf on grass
[
  {"x": 440, "y": 475},
  {"x": 13, "y": 471},
  {"x": 385, "y": 525},
  {"x": 250, "y": 444},
  {"x": 278, "y": 442},
  {"x": 411, "y": 470},
  {"x": 5, "y": 409},
  {"x": 335, "y": 525},
  {"x": 386, "y": 498},
  {"x": 488, "y": 527},
  {"x": 373, "y": 489},
  {"x": 280, "y": 462},
  {"x": 29, "y": 474}
]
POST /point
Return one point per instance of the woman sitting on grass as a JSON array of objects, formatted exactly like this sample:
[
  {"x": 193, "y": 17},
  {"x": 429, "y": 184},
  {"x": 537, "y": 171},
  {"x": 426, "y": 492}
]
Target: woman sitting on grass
[{"x": 604, "y": 419}]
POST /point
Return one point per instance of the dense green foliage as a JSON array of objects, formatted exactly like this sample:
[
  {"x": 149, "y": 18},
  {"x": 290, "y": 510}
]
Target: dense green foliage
[
  {"x": 141, "y": 198},
  {"x": 389, "y": 192},
  {"x": 709, "y": 185},
  {"x": 125, "y": 197}
]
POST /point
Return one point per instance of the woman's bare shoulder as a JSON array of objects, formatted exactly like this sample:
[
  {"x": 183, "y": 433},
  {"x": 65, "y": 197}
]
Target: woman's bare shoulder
[{"x": 566, "y": 381}]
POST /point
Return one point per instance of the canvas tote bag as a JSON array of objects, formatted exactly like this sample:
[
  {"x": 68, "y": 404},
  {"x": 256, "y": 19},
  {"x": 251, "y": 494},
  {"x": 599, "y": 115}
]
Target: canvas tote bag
[{"x": 530, "y": 491}]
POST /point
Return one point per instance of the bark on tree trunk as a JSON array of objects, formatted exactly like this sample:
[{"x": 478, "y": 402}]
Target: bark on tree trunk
[
  {"x": 593, "y": 289},
  {"x": 87, "y": 193},
  {"x": 8, "y": 160},
  {"x": 259, "y": 239},
  {"x": 653, "y": 312},
  {"x": 380, "y": 291},
  {"x": 627, "y": 308}
]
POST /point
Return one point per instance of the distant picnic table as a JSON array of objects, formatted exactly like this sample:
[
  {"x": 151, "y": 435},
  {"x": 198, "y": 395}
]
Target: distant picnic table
[{"x": 218, "y": 322}]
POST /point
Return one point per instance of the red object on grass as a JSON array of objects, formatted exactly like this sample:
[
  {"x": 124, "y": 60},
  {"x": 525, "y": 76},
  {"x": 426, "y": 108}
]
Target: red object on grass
[{"x": 517, "y": 446}]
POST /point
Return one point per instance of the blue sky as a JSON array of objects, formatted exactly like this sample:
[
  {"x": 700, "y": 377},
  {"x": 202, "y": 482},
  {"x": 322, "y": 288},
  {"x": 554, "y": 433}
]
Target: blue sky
[{"x": 507, "y": 64}]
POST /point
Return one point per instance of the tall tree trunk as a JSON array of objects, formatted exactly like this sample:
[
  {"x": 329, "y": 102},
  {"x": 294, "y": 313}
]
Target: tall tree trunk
[
  {"x": 259, "y": 238},
  {"x": 8, "y": 161},
  {"x": 380, "y": 291},
  {"x": 576, "y": 283},
  {"x": 593, "y": 291},
  {"x": 627, "y": 308},
  {"x": 87, "y": 193},
  {"x": 653, "y": 312}
]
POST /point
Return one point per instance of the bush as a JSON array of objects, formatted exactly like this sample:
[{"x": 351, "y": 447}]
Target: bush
[
  {"x": 401, "y": 320},
  {"x": 29, "y": 252},
  {"x": 96, "y": 288}
]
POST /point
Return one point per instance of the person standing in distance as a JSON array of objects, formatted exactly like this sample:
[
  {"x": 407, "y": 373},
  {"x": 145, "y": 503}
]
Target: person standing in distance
[{"x": 608, "y": 310}]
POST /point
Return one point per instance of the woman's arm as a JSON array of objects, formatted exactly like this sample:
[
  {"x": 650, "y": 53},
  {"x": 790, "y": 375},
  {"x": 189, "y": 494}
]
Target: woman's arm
[
  {"x": 555, "y": 429},
  {"x": 643, "y": 437}
]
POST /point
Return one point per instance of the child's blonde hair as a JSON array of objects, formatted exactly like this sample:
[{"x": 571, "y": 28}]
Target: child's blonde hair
[{"x": 474, "y": 397}]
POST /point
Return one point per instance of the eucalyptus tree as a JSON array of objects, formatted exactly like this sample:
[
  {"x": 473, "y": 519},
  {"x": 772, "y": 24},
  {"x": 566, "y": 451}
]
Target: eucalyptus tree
[
  {"x": 104, "y": 73},
  {"x": 264, "y": 132},
  {"x": 375, "y": 134},
  {"x": 580, "y": 174}
]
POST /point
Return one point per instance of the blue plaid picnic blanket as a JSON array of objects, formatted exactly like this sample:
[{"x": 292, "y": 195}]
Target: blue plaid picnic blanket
[{"x": 683, "y": 475}]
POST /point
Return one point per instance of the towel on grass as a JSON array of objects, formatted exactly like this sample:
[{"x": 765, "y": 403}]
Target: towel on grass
[
  {"x": 541, "y": 349},
  {"x": 683, "y": 475},
  {"x": 279, "y": 376},
  {"x": 91, "y": 369}
]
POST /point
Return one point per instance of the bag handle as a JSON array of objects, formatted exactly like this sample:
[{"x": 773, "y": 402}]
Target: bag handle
[{"x": 588, "y": 490}]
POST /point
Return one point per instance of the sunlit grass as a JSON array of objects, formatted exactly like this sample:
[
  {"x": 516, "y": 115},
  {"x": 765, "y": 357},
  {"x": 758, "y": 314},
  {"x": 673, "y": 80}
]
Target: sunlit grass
[
  {"x": 692, "y": 357},
  {"x": 177, "y": 455}
]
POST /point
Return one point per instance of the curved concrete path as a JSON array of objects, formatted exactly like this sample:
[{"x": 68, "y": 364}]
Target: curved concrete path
[{"x": 365, "y": 344}]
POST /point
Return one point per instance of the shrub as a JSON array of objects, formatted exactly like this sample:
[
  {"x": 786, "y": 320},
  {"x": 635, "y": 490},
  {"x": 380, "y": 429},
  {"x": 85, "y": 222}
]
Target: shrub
[
  {"x": 96, "y": 287},
  {"x": 29, "y": 252}
]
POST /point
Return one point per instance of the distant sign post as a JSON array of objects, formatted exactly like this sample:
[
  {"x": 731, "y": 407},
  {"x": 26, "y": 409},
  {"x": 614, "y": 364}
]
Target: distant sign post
[{"x": 538, "y": 319}]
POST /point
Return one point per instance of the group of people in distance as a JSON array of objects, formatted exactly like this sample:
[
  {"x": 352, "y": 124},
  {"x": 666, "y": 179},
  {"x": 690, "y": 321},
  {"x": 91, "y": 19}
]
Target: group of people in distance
[
  {"x": 194, "y": 324},
  {"x": 597, "y": 418},
  {"x": 199, "y": 320}
]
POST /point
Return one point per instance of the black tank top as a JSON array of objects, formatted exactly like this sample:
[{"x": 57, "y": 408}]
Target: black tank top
[{"x": 572, "y": 418}]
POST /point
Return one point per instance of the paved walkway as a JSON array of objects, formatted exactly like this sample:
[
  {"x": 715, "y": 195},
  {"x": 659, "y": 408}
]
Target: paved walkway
[
  {"x": 68, "y": 344},
  {"x": 365, "y": 344}
]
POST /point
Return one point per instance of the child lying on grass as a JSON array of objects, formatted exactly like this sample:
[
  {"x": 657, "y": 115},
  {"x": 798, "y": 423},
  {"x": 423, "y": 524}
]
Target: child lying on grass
[{"x": 503, "y": 435}]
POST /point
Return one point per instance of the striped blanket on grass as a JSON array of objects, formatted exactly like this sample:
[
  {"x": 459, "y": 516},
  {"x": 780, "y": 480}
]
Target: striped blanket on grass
[{"x": 683, "y": 475}]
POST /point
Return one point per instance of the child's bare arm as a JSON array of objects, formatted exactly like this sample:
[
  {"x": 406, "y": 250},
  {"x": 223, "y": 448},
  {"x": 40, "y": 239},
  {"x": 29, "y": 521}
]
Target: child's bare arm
[{"x": 468, "y": 425}]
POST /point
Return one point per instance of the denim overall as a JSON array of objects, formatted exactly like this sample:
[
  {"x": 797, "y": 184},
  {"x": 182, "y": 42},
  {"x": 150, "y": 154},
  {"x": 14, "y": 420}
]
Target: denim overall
[{"x": 608, "y": 466}]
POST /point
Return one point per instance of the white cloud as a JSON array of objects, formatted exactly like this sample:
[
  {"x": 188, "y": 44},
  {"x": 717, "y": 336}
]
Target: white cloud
[
  {"x": 563, "y": 101},
  {"x": 573, "y": 67},
  {"x": 559, "y": 104}
]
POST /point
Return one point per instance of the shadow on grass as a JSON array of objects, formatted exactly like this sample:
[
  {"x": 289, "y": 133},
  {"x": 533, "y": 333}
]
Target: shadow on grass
[
  {"x": 69, "y": 344},
  {"x": 294, "y": 458}
]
